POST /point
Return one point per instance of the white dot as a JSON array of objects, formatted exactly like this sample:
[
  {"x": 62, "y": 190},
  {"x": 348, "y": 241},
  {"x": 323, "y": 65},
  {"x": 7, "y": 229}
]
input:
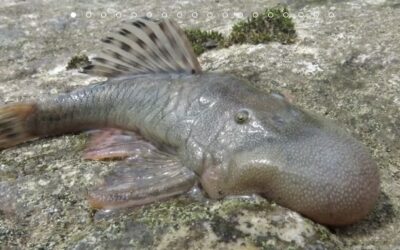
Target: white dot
[
  {"x": 270, "y": 14},
  {"x": 255, "y": 14},
  {"x": 149, "y": 14},
  {"x": 73, "y": 14}
]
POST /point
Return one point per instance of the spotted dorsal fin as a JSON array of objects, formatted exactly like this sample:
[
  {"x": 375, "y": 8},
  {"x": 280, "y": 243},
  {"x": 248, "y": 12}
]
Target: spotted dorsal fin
[{"x": 144, "y": 46}]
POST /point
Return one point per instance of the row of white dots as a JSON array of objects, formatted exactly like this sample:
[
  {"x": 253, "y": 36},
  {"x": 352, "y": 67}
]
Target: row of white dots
[{"x": 195, "y": 14}]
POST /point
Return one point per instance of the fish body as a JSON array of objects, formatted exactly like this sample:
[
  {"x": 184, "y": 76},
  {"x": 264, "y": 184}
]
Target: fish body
[{"x": 189, "y": 126}]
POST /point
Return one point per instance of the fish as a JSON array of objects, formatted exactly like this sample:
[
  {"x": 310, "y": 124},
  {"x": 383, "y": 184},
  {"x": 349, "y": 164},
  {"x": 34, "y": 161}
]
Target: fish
[{"x": 172, "y": 126}]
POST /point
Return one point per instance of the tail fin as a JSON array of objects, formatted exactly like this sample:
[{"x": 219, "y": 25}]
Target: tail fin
[{"x": 13, "y": 126}]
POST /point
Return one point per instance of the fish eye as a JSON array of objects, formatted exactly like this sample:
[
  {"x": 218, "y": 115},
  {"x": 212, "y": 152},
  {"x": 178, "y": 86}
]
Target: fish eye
[{"x": 242, "y": 116}]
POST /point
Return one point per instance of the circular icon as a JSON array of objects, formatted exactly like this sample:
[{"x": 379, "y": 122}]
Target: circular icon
[
  {"x": 133, "y": 14},
  {"x": 255, "y": 14},
  {"x": 73, "y": 15},
  {"x": 195, "y": 14},
  {"x": 179, "y": 14},
  {"x": 209, "y": 14},
  {"x": 118, "y": 14},
  {"x": 149, "y": 14},
  {"x": 89, "y": 14},
  {"x": 164, "y": 14},
  {"x": 270, "y": 14},
  {"x": 103, "y": 14},
  {"x": 225, "y": 15},
  {"x": 301, "y": 14},
  {"x": 285, "y": 14},
  {"x": 331, "y": 15}
]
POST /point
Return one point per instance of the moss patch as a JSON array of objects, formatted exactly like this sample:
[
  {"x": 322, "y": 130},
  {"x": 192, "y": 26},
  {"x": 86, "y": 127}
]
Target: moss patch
[
  {"x": 271, "y": 25},
  {"x": 204, "y": 40},
  {"x": 78, "y": 61},
  {"x": 232, "y": 206},
  {"x": 226, "y": 229},
  {"x": 172, "y": 212}
]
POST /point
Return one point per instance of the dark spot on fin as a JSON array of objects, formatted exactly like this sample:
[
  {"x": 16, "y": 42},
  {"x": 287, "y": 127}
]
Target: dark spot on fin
[
  {"x": 107, "y": 40},
  {"x": 141, "y": 43},
  {"x": 124, "y": 32},
  {"x": 138, "y": 24},
  {"x": 125, "y": 47},
  {"x": 145, "y": 46},
  {"x": 87, "y": 68},
  {"x": 153, "y": 37}
]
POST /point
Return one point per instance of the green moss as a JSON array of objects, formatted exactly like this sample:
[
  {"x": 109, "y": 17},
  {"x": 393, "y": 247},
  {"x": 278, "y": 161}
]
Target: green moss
[
  {"x": 173, "y": 212},
  {"x": 323, "y": 234},
  {"x": 266, "y": 242},
  {"x": 78, "y": 61},
  {"x": 204, "y": 40},
  {"x": 272, "y": 25},
  {"x": 232, "y": 206},
  {"x": 226, "y": 229}
]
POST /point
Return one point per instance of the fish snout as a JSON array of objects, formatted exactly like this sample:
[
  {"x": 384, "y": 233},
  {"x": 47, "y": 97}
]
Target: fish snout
[{"x": 330, "y": 177}]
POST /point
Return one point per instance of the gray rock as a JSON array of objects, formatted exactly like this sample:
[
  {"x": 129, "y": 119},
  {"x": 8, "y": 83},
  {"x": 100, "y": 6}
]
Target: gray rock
[{"x": 345, "y": 65}]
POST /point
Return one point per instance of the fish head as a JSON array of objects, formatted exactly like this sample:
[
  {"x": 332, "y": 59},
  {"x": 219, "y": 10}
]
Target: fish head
[{"x": 298, "y": 159}]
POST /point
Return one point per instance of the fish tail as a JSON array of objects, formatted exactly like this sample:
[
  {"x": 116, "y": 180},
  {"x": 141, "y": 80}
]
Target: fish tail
[{"x": 14, "y": 128}]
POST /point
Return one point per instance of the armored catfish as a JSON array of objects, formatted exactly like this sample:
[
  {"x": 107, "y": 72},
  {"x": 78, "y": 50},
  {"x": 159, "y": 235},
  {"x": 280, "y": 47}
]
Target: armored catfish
[{"x": 172, "y": 125}]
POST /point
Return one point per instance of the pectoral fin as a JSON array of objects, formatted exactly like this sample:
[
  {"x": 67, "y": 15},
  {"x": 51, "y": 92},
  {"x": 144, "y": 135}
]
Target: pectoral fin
[
  {"x": 141, "y": 180},
  {"x": 110, "y": 144}
]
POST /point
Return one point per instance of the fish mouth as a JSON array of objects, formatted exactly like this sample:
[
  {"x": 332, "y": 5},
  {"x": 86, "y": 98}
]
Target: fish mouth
[
  {"x": 327, "y": 175},
  {"x": 330, "y": 177}
]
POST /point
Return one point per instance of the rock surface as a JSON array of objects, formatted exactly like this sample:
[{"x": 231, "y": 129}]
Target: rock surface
[{"x": 344, "y": 65}]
